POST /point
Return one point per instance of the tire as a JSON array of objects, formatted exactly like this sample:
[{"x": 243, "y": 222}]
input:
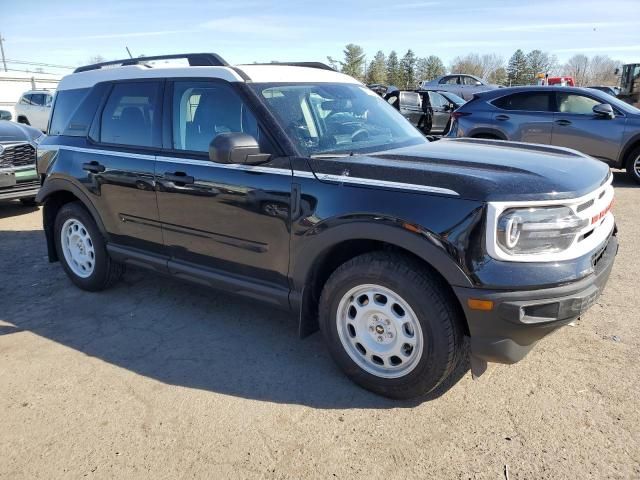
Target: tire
[
  {"x": 486, "y": 136},
  {"x": 82, "y": 250},
  {"x": 29, "y": 201},
  {"x": 633, "y": 165},
  {"x": 433, "y": 325}
]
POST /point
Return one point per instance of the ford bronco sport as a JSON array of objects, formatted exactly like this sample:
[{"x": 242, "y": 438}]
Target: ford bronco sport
[{"x": 298, "y": 186}]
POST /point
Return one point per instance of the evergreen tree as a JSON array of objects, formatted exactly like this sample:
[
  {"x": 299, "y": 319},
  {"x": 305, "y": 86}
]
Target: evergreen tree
[
  {"x": 354, "y": 61},
  {"x": 393, "y": 70},
  {"x": 377, "y": 72},
  {"x": 429, "y": 68},
  {"x": 517, "y": 68},
  {"x": 408, "y": 69}
]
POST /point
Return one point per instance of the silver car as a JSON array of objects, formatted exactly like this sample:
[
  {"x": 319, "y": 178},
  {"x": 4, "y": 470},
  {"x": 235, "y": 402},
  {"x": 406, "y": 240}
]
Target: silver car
[
  {"x": 464, "y": 86},
  {"x": 587, "y": 120}
]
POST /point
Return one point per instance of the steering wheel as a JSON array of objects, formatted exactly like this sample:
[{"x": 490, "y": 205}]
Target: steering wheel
[{"x": 360, "y": 135}]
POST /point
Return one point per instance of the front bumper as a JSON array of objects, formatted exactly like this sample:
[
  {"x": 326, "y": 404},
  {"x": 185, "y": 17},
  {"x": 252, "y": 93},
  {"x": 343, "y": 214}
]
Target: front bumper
[
  {"x": 24, "y": 181},
  {"x": 520, "y": 318}
]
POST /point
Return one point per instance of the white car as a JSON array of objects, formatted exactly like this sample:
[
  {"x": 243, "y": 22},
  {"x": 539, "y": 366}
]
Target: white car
[{"x": 34, "y": 108}]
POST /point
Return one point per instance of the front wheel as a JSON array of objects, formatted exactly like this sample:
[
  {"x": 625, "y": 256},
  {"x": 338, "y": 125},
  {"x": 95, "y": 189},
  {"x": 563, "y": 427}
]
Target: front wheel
[
  {"x": 82, "y": 250},
  {"x": 633, "y": 165},
  {"x": 391, "y": 325}
]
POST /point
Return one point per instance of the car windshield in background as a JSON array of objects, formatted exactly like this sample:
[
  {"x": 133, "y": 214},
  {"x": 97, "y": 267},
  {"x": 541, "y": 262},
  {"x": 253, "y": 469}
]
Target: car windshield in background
[{"x": 336, "y": 119}]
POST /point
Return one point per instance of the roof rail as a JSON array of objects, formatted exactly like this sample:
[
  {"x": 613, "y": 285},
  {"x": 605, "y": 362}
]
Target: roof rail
[
  {"x": 319, "y": 65},
  {"x": 194, "y": 59}
]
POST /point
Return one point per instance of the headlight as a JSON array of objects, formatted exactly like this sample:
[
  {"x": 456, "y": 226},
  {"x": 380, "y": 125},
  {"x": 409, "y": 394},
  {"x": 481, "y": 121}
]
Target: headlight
[{"x": 526, "y": 231}]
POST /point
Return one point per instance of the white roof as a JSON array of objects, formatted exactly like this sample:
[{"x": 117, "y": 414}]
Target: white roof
[{"x": 257, "y": 73}]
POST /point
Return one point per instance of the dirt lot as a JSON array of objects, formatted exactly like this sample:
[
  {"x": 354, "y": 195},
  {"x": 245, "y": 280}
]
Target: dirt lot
[{"x": 158, "y": 379}]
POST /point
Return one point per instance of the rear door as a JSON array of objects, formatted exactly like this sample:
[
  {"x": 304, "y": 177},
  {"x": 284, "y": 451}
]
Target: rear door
[
  {"x": 526, "y": 116},
  {"x": 119, "y": 165},
  {"x": 224, "y": 220},
  {"x": 576, "y": 126},
  {"x": 39, "y": 113}
]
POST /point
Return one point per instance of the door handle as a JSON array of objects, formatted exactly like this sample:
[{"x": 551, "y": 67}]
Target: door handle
[
  {"x": 93, "y": 167},
  {"x": 563, "y": 122},
  {"x": 502, "y": 117},
  {"x": 178, "y": 177}
]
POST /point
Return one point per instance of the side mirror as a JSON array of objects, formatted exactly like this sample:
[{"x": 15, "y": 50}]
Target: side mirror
[
  {"x": 5, "y": 115},
  {"x": 236, "y": 147},
  {"x": 604, "y": 110},
  {"x": 478, "y": 83}
]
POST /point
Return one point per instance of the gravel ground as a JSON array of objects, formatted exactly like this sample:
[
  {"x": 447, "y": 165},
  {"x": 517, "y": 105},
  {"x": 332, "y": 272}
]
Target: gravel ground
[{"x": 159, "y": 379}]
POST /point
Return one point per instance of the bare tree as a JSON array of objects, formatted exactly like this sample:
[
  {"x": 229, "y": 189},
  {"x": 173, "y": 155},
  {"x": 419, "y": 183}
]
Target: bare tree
[
  {"x": 578, "y": 68},
  {"x": 482, "y": 66},
  {"x": 602, "y": 70}
]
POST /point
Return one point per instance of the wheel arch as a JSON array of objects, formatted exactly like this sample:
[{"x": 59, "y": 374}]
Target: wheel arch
[
  {"x": 54, "y": 194},
  {"x": 326, "y": 252},
  {"x": 630, "y": 146},
  {"x": 487, "y": 133}
]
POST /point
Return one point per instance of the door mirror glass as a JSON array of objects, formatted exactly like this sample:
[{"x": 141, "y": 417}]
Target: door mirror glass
[
  {"x": 604, "y": 110},
  {"x": 238, "y": 148}
]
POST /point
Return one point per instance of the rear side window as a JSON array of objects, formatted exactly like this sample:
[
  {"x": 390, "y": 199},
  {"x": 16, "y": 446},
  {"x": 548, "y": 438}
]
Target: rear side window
[
  {"x": 528, "y": 102},
  {"x": 131, "y": 115},
  {"x": 66, "y": 103},
  {"x": 449, "y": 80}
]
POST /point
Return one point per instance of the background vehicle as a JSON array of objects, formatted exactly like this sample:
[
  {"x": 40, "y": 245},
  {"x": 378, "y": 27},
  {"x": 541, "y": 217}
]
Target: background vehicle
[
  {"x": 315, "y": 195},
  {"x": 18, "y": 177},
  {"x": 429, "y": 111},
  {"x": 5, "y": 115},
  {"x": 462, "y": 85},
  {"x": 561, "y": 81},
  {"x": 34, "y": 108},
  {"x": 614, "y": 91},
  {"x": 587, "y": 120},
  {"x": 630, "y": 84},
  {"x": 14, "y": 84}
]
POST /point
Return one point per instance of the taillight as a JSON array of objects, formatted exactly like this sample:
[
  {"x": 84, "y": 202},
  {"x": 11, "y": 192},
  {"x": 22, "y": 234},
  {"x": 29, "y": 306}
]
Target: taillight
[{"x": 457, "y": 115}]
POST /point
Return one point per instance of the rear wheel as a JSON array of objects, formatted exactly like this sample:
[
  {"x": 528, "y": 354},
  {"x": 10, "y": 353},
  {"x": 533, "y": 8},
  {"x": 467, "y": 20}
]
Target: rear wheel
[
  {"x": 391, "y": 325},
  {"x": 633, "y": 164},
  {"x": 82, "y": 249}
]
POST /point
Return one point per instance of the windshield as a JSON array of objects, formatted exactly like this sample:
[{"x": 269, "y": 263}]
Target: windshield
[{"x": 335, "y": 119}]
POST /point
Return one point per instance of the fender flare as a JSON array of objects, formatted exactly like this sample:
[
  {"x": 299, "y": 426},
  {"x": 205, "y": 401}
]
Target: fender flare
[
  {"x": 51, "y": 187},
  {"x": 424, "y": 245}
]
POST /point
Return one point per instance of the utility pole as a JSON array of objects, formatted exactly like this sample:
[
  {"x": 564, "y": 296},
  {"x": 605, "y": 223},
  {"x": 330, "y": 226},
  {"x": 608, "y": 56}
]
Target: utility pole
[{"x": 4, "y": 62}]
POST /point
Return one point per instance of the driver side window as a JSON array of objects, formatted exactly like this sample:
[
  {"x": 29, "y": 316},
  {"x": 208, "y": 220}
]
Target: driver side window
[{"x": 203, "y": 110}]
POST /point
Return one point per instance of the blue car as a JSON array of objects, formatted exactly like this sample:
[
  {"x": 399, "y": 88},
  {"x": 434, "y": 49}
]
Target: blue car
[{"x": 587, "y": 120}]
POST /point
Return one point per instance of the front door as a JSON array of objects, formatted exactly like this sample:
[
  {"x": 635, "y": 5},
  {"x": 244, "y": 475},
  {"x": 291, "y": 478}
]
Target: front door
[
  {"x": 576, "y": 126},
  {"x": 221, "y": 219},
  {"x": 441, "y": 112}
]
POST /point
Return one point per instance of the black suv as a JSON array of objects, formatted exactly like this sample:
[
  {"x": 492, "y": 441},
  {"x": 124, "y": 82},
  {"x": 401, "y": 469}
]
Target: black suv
[{"x": 298, "y": 186}]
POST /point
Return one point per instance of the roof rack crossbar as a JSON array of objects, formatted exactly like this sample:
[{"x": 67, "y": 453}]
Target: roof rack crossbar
[
  {"x": 318, "y": 65},
  {"x": 194, "y": 59}
]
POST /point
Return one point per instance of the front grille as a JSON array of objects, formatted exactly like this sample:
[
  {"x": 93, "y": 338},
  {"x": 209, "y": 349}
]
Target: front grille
[{"x": 17, "y": 155}]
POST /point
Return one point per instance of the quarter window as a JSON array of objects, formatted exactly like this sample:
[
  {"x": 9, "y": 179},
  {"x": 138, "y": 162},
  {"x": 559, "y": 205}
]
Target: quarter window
[
  {"x": 578, "y": 104},
  {"x": 529, "y": 102},
  {"x": 130, "y": 116},
  {"x": 203, "y": 110}
]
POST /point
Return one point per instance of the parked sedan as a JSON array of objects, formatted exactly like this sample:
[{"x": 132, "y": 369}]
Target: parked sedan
[
  {"x": 587, "y": 120},
  {"x": 18, "y": 177},
  {"x": 464, "y": 86}
]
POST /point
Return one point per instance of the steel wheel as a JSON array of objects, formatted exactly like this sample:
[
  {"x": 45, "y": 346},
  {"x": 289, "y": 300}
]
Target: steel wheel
[
  {"x": 77, "y": 248},
  {"x": 636, "y": 166},
  {"x": 379, "y": 331}
]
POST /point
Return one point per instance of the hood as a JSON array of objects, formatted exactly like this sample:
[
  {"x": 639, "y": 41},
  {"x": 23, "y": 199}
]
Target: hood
[
  {"x": 474, "y": 169},
  {"x": 11, "y": 132}
]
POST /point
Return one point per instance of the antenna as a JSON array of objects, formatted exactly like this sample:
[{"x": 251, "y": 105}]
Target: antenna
[{"x": 128, "y": 51}]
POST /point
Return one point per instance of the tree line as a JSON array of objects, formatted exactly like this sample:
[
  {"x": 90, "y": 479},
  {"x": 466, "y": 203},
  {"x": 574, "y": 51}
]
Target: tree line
[{"x": 521, "y": 68}]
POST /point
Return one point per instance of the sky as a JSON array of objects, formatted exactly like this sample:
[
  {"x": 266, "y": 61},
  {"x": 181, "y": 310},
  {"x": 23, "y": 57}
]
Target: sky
[{"x": 70, "y": 32}]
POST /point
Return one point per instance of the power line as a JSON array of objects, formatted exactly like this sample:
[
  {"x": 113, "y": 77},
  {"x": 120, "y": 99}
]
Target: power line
[
  {"x": 2, "y": 52},
  {"x": 37, "y": 64},
  {"x": 30, "y": 71}
]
